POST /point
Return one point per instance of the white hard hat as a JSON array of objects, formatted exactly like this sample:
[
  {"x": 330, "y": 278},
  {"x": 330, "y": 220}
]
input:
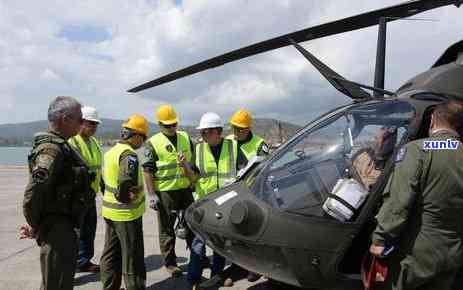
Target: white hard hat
[
  {"x": 90, "y": 114},
  {"x": 210, "y": 120}
]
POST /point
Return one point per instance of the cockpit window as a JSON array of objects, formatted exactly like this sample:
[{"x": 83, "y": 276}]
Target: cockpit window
[{"x": 354, "y": 143}]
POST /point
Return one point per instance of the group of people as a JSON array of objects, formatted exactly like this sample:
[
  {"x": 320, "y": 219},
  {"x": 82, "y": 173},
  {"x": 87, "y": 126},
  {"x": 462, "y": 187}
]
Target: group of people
[{"x": 67, "y": 169}]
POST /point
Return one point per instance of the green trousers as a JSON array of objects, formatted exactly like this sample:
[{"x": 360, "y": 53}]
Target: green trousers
[
  {"x": 170, "y": 201},
  {"x": 123, "y": 256},
  {"x": 402, "y": 278},
  {"x": 58, "y": 254}
]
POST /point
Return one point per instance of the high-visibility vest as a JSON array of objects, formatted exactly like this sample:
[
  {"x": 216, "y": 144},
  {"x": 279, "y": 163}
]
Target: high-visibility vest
[
  {"x": 113, "y": 209},
  {"x": 169, "y": 174},
  {"x": 92, "y": 155},
  {"x": 249, "y": 148},
  {"x": 212, "y": 175}
]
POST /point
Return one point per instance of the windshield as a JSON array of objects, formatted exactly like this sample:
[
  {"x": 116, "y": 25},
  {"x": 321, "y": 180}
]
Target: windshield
[{"x": 353, "y": 143}]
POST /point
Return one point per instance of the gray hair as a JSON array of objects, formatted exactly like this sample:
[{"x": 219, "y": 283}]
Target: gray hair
[{"x": 60, "y": 107}]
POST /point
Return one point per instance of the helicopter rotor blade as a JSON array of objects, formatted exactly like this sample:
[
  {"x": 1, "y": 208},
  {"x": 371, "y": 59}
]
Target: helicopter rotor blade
[
  {"x": 374, "y": 89},
  {"x": 348, "y": 89},
  {"x": 363, "y": 20}
]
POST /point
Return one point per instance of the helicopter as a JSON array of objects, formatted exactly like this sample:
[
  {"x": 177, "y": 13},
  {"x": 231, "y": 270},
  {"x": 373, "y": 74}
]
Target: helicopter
[{"x": 276, "y": 219}]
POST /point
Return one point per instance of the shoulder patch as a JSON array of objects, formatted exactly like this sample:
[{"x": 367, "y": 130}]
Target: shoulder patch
[
  {"x": 401, "y": 154},
  {"x": 265, "y": 148},
  {"x": 48, "y": 148},
  {"x": 45, "y": 158},
  {"x": 40, "y": 175},
  {"x": 132, "y": 161},
  {"x": 41, "y": 168},
  {"x": 147, "y": 152}
]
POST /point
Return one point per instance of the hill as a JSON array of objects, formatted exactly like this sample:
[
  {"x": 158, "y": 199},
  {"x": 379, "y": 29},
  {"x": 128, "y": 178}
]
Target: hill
[{"x": 20, "y": 134}]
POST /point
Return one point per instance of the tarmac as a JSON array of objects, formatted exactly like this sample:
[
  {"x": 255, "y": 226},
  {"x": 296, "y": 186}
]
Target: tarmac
[{"x": 19, "y": 259}]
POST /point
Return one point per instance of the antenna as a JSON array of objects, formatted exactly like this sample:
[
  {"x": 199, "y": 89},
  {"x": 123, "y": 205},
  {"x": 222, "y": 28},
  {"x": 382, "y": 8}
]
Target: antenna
[{"x": 380, "y": 66}]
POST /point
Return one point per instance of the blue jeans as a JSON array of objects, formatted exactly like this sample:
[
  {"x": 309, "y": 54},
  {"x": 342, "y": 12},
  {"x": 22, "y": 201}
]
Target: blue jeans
[
  {"x": 87, "y": 237},
  {"x": 195, "y": 269}
]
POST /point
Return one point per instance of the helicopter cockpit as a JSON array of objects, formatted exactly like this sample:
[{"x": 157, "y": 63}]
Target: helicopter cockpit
[{"x": 302, "y": 175}]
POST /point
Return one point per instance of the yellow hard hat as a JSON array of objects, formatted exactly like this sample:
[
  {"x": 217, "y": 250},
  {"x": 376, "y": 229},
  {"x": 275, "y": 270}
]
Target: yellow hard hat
[
  {"x": 166, "y": 115},
  {"x": 241, "y": 119},
  {"x": 137, "y": 123}
]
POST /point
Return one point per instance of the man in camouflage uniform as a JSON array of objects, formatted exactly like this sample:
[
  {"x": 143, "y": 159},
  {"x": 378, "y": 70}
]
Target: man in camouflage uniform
[
  {"x": 57, "y": 194},
  {"x": 421, "y": 214}
]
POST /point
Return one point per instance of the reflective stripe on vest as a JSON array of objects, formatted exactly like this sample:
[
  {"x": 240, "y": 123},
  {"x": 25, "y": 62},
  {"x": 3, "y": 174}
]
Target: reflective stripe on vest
[
  {"x": 92, "y": 155},
  {"x": 249, "y": 148},
  {"x": 120, "y": 205},
  {"x": 111, "y": 208},
  {"x": 212, "y": 175},
  {"x": 169, "y": 174}
]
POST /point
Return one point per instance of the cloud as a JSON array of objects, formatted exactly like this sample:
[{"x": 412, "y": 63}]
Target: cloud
[
  {"x": 96, "y": 50},
  {"x": 49, "y": 75}
]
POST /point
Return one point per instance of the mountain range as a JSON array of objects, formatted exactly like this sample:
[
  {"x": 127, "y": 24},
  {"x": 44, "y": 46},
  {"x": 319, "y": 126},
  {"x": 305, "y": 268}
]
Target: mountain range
[{"x": 20, "y": 134}]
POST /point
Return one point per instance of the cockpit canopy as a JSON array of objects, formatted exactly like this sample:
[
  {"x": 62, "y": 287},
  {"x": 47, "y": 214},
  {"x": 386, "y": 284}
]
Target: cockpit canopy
[{"x": 353, "y": 142}]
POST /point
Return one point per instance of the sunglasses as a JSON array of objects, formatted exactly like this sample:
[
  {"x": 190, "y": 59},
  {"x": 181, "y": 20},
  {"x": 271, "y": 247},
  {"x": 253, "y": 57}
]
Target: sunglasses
[
  {"x": 169, "y": 126},
  {"x": 91, "y": 123},
  {"x": 238, "y": 129},
  {"x": 142, "y": 136}
]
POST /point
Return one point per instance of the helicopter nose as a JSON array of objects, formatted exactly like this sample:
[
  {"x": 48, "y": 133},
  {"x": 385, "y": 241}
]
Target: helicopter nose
[{"x": 239, "y": 217}]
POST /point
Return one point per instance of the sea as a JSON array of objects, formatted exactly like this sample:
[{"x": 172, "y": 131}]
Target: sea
[
  {"x": 17, "y": 156},
  {"x": 14, "y": 156}
]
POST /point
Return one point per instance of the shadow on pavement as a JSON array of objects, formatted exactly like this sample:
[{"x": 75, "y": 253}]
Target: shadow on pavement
[
  {"x": 86, "y": 278},
  {"x": 155, "y": 262},
  {"x": 272, "y": 285},
  {"x": 152, "y": 263},
  {"x": 179, "y": 283}
]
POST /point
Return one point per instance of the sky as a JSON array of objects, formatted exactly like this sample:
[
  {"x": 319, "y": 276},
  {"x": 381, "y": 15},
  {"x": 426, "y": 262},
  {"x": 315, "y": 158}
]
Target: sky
[{"x": 97, "y": 50}]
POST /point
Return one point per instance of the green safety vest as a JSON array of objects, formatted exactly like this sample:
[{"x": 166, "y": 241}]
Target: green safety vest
[
  {"x": 169, "y": 174},
  {"x": 92, "y": 155},
  {"x": 212, "y": 175},
  {"x": 113, "y": 209},
  {"x": 249, "y": 148}
]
